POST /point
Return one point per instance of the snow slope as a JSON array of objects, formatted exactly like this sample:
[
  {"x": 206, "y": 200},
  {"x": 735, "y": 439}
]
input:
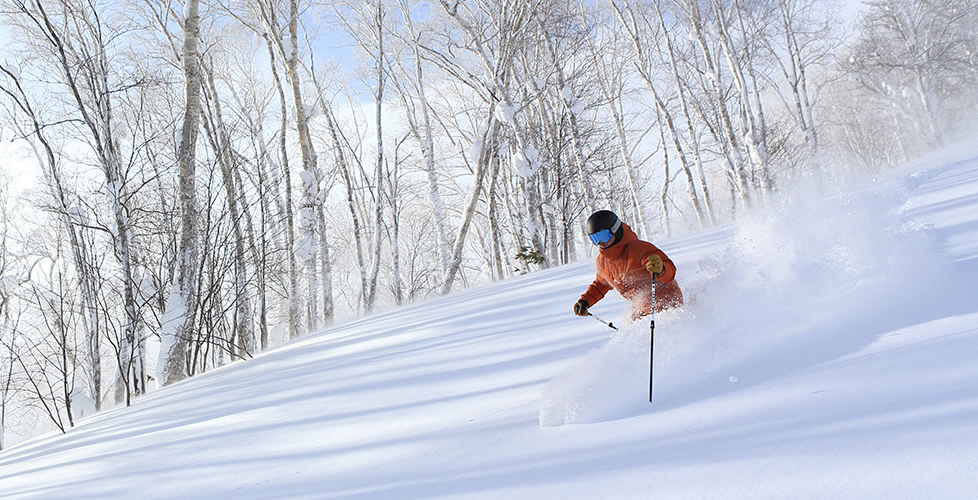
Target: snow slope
[{"x": 827, "y": 350}]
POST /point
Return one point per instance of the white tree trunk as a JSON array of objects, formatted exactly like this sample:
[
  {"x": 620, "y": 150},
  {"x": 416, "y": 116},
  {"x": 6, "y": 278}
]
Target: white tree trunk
[
  {"x": 181, "y": 307},
  {"x": 371, "y": 292},
  {"x": 690, "y": 129},
  {"x": 643, "y": 65},
  {"x": 286, "y": 184},
  {"x": 243, "y": 332},
  {"x": 311, "y": 175},
  {"x": 694, "y": 22},
  {"x": 424, "y": 134},
  {"x": 567, "y": 100},
  {"x": 754, "y": 142}
]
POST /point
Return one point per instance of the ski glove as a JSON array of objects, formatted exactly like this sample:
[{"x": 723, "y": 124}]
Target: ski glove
[
  {"x": 580, "y": 308},
  {"x": 653, "y": 263}
]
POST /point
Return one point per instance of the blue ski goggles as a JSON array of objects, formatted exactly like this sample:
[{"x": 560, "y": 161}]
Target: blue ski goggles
[
  {"x": 602, "y": 236},
  {"x": 605, "y": 235}
]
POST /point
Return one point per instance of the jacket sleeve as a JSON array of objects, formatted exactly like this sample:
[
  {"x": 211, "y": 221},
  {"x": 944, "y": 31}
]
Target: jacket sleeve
[
  {"x": 596, "y": 291},
  {"x": 668, "y": 268}
]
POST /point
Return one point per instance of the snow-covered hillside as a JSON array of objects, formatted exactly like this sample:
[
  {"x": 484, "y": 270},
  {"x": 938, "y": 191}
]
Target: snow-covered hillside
[{"x": 827, "y": 351}]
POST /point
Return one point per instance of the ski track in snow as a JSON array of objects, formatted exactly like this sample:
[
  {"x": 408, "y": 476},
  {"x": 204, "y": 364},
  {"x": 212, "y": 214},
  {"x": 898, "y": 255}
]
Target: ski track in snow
[{"x": 826, "y": 350}]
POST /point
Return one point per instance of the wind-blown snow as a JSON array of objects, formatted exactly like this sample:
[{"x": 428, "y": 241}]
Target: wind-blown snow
[{"x": 826, "y": 351}]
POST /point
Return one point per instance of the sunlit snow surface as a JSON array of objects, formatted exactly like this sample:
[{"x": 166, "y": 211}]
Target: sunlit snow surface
[{"x": 827, "y": 350}]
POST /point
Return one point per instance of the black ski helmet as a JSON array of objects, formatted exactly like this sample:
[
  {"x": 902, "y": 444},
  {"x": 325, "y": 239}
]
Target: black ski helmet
[{"x": 604, "y": 219}]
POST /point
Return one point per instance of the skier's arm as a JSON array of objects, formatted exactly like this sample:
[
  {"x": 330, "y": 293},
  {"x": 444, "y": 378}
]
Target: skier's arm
[
  {"x": 668, "y": 272},
  {"x": 596, "y": 291}
]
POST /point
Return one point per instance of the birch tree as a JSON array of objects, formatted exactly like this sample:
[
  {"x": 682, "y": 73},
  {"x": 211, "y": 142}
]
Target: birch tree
[
  {"x": 243, "y": 233},
  {"x": 683, "y": 92},
  {"x": 800, "y": 41},
  {"x": 46, "y": 154},
  {"x": 507, "y": 21},
  {"x": 46, "y": 353},
  {"x": 307, "y": 244},
  {"x": 643, "y": 62},
  {"x": 78, "y": 43},
  {"x": 9, "y": 282},
  {"x": 310, "y": 245},
  {"x": 259, "y": 185},
  {"x": 285, "y": 180},
  {"x": 690, "y": 13},
  {"x": 739, "y": 55},
  {"x": 411, "y": 85},
  {"x": 365, "y": 22},
  {"x": 379, "y": 174},
  {"x": 913, "y": 56},
  {"x": 569, "y": 103},
  {"x": 181, "y": 307},
  {"x": 612, "y": 74},
  {"x": 564, "y": 128}
]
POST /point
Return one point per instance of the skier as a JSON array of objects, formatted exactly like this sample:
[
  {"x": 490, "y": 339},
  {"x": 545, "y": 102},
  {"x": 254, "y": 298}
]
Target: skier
[{"x": 630, "y": 266}]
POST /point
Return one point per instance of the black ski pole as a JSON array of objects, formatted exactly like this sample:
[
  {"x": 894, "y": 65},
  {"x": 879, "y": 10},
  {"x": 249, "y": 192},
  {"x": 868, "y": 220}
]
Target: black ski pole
[
  {"x": 652, "y": 343},
  {"x": 603, "y": 322},
  {"x": 651, "y": 355}
]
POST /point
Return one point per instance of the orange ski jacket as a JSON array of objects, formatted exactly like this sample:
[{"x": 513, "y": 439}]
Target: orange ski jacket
[{"x": 621, "y": 266}]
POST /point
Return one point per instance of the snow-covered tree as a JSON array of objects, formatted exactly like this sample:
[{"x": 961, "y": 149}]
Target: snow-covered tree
[
  {"x": 178, "y": 320},
  {"x": 916, "y": 57}
]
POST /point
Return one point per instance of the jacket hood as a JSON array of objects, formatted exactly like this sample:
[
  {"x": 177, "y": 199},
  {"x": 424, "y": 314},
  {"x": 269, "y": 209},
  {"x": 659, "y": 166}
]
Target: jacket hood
[{"x": 627, "y": 236}]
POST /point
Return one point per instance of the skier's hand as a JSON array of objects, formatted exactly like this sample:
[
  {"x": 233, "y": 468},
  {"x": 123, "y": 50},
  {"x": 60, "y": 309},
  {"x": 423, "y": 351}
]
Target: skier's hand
[
  {"x": 580, "y": 308},
  {"x": 653, "y": 263}
]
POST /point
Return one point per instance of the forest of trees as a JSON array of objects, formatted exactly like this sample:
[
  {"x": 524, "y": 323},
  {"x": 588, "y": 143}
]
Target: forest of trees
[{"x": 205, "y": 180}]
